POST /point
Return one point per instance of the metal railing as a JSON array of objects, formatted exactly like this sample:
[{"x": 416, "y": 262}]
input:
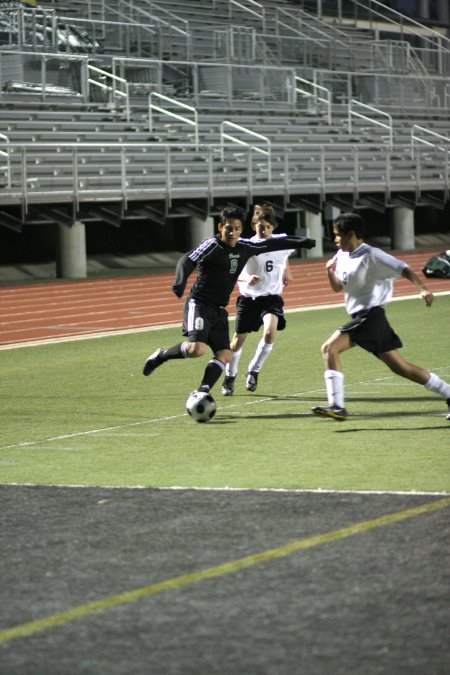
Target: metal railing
[
  {"x": 384, "y": 89},
  {"x": 43, "y": 59},
  {"x": 354, "y": 113},
  {"x": 77, "y": 173},
  {"x": 303, "y": 24},
  {"x": 255, "y": 9},
  {"x": 416, "y": 139},
  {"x": 111, "y": 89},
  {"x": 382, "y": 18},
  {"x": 169, "y": 113},
  {"x": 318, "y": 94},
  {"x": 5, "y": 154},
  {"x": 240, "y": 141}
]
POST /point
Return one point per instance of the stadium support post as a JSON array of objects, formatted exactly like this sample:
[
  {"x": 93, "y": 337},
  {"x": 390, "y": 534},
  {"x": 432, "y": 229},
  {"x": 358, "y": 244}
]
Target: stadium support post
[
  {"x": 71, "y": 261},
  {"x": 200, "y": 229},
  {"x": 403, "y": 229},
  {"x": 313, "y": 223}
]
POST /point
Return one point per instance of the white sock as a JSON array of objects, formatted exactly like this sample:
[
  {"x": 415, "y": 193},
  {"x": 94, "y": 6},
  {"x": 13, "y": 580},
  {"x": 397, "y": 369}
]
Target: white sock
[
  {"x": 232, "y": 367},
  {"x": 262, "y": 352},
  {"x": 437, "y": 386},
  {"x": 334, "y": 383}
]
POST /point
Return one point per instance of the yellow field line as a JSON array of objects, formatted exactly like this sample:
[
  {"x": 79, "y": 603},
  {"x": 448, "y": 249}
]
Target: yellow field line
[{"x": 103, "y": 604}]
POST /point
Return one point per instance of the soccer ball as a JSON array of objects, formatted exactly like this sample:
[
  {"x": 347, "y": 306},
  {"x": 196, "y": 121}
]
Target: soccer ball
[{"x": 201, "y": 406}]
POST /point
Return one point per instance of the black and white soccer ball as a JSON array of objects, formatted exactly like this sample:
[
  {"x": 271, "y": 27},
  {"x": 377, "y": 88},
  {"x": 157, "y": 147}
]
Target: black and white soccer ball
[{"x": 201, "y": 406}]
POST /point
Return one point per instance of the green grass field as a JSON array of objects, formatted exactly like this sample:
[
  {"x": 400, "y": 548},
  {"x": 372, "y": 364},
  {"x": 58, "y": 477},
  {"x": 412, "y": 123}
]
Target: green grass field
[{"x": 81, "y": 413}]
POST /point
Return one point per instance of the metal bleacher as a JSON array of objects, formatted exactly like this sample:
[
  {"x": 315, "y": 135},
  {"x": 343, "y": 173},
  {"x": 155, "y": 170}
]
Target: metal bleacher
[{"x": 154, "y": 108}]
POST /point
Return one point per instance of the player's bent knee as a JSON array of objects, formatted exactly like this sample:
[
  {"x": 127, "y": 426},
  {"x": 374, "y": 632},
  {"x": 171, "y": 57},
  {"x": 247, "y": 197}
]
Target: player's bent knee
[
  {"x": 325, "y": 350},
  {"x": 224, "y": 356},
  {"x": 195, "y": 349}
]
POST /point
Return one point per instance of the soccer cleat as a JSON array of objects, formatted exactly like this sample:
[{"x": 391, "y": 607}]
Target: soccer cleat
[
  {"x": 448, "y": 403},
  {"x": 333, "y": 411},
  {"x": 153, "y": 361},
  {"x": 203, "y": 389},
  {"x": 251, "y": 381},
  {"x": 228, "y": 385}
]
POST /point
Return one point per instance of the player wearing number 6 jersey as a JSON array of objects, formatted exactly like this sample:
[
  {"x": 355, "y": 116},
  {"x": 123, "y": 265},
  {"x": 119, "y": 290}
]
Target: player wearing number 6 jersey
[
  {"x": 365, "y": 274},
  {"x": 219, "y": 262},
  {"x": 259, "y": 303}
]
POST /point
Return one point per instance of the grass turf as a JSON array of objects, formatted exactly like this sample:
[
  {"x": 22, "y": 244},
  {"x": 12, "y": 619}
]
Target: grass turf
[{"x": 82, "y": 413}]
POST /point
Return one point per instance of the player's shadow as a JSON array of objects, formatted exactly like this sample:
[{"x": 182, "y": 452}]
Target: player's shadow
[
  {"x": 354, "y": 430},
  {"x": 374, "y": 399}
]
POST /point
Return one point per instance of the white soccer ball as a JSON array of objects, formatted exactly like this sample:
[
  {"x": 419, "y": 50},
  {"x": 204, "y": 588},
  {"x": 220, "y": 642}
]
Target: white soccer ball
[{"x": 201, "y": 406}]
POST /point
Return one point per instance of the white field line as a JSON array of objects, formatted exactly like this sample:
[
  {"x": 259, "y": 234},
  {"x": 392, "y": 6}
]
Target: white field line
[
  {"x": 157, "y": 420},
  {"x": 147, "y": 329},
  {"x": 176, "y": 488}
]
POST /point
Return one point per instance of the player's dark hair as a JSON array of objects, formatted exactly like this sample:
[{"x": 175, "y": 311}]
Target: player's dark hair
[
  {"x": 265, "y": 212},
  {"x": 350, "y": 222},
  {"x": 231, "y": 213}
]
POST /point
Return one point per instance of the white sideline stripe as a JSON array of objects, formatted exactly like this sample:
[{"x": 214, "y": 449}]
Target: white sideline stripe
[
  {"x": 146, "y": 329},
  {"x": 175, "y": 488}
]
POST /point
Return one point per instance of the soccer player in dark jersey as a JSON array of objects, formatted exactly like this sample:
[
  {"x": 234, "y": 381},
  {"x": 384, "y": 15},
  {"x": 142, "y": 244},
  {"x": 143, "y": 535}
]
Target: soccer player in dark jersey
[{"x": 219, "y": 260}]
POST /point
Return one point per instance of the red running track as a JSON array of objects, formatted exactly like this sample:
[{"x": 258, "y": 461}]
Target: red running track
[{"x": 62, "y": 309}]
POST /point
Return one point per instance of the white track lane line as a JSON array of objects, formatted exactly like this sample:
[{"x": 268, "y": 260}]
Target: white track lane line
[{"x": 144, "y": 329}]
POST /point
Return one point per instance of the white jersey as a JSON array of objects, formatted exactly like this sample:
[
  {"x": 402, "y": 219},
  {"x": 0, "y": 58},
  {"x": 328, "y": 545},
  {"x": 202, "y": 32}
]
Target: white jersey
[
  {"x": 367, "y": 275},
  {"x": 269, "y": 267}
]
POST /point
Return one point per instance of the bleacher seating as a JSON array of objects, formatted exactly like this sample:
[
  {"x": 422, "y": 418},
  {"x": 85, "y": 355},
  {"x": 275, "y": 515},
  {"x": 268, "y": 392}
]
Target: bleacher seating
[{"x": 78, "y": 137}]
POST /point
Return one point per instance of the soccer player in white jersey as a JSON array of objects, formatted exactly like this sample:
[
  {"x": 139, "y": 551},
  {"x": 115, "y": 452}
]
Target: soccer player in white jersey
[
  {"x": 259, "y": 303},
  {"x": 366, "y": 274}
]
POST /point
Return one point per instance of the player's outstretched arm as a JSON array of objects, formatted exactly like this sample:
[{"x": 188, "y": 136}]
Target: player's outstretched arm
[
  {"x": 281, "y": 243},
  {"x": 427, "y": 295}
]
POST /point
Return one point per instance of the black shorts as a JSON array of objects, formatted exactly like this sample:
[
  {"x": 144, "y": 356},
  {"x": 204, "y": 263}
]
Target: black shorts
[
  {"x": 250, "y": 312},
  {"x": 206, "y": 323},
  {"x": 370, "y": 330}
]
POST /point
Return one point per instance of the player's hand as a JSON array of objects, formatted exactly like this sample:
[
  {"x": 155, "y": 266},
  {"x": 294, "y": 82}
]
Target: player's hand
[
  {"x": 177, "y": 290},
  {"x": 427, "y": 296},
  {"x": 331, "y": 264},
  {"x": 254, "y": 279}
]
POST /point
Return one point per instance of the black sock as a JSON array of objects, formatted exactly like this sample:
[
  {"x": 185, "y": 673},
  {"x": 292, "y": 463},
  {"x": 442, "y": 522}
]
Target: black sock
[
  {"x": 174, "y": 352},
  {"x": 213, "y": 371}
]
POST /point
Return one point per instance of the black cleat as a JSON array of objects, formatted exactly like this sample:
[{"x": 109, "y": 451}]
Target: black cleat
[
  {"x": 228, "y": 385},
  {"x": 153, "y": 361},
  {"x": 333, "y": 411},
  {"x": 448, "y": 404},
  {"x": 251, "y": 381}
]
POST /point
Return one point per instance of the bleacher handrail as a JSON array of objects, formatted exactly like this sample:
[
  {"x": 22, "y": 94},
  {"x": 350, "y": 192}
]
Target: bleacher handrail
[
  {"x": 169, "y": 113},
  {"x": 325, "y": 32},
  {"x": 417, "y": 139},
  {"x": 111, "y": 89},
  {"x": 353, "y": 113},
  {"x": 420, "y": 30},
  {"x": 5, "y": 153},
  {"x": 240, "y": 141},
  {"x": 152, "y": 17},
  {"x": 261, "y": 14},
  {"x": 315, "y": 94}
]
